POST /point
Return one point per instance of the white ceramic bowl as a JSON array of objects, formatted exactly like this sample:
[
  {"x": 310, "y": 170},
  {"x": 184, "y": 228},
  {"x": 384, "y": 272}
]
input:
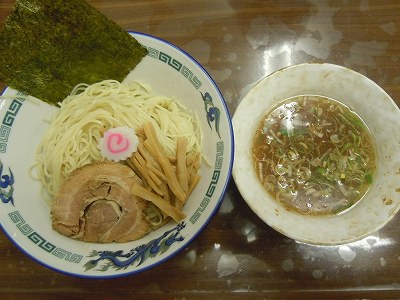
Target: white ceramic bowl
[
  {"x": 25, "y": 217},
  {"x": 375, "y": 107}
]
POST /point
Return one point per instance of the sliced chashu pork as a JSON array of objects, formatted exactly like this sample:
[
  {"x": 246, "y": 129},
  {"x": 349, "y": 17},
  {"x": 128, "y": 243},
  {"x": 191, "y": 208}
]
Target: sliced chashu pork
[{"x": 95, "y": 205}]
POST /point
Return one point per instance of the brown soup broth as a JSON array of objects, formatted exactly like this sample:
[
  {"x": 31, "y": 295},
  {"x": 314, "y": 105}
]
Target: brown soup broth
[{"x": 314, "y": 155}]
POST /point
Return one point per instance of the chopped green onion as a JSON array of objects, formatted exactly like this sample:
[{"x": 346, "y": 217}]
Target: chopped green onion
[{"x": 368, "y": 178}]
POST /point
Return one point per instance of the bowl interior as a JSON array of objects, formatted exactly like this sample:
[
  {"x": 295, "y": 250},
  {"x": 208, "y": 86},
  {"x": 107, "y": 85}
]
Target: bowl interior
[
  {"x": 26, "y": 220},
  {"x": 374, "y": 106}
]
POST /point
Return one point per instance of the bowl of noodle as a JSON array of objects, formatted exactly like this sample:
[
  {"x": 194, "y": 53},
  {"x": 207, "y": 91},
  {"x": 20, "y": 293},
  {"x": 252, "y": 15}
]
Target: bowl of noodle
[{"x": 80, "y": 210}]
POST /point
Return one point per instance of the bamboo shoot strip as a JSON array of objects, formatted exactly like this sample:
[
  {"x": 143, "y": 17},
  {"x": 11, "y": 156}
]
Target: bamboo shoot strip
[
  {"x": 176, "y": 203},
  {"x": 147, "y": 156},
  {"x": 150, "y": 163},
  {"x": 166, "y": 190},
  {"x": 162, "y": 159},
  {"x": 149, "y": 172},
  {"x": 194, "y": 180},
  {"x": 156, "y": 171},
  {"x": 150, "y": 181},
  {"x": 181, "y": 169},
  {"x": 163, "y": 205}
]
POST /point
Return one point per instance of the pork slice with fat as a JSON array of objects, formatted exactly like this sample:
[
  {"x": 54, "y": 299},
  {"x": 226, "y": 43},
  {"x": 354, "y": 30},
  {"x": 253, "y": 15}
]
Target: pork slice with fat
[{"x": 95, "y": 205}]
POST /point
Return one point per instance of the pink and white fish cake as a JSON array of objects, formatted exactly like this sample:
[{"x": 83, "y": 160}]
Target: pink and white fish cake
[{"x": 118, "y": 143}]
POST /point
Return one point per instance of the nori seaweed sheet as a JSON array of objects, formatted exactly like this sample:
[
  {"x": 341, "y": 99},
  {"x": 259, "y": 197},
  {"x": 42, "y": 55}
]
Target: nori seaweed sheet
[{"x": 48, "y": 47}]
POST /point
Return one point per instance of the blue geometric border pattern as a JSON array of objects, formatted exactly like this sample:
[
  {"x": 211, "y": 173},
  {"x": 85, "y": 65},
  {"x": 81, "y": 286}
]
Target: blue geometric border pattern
[
  {"x": 4, "y": 133},
  {"x": 172, "y": 62},
  {"x": 214, "y": 181},
  {"x": 154, "y": 53},
  {"x": 220, "y": 155},
  {"x": 17, "y": 219},
  {"x": 41, "y": 242},
  {"x": 8, "y": 120},
  {"x": 12, "y": 112},
  {"x": 189, "y": 75},
  {"x": 175, "y": 64},
  {"x": 37, "y": 239},
  {"x": 68, "y": 256}
]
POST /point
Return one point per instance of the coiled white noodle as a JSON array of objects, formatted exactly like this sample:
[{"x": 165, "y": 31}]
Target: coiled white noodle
[{"x": 72, "y": 137}]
